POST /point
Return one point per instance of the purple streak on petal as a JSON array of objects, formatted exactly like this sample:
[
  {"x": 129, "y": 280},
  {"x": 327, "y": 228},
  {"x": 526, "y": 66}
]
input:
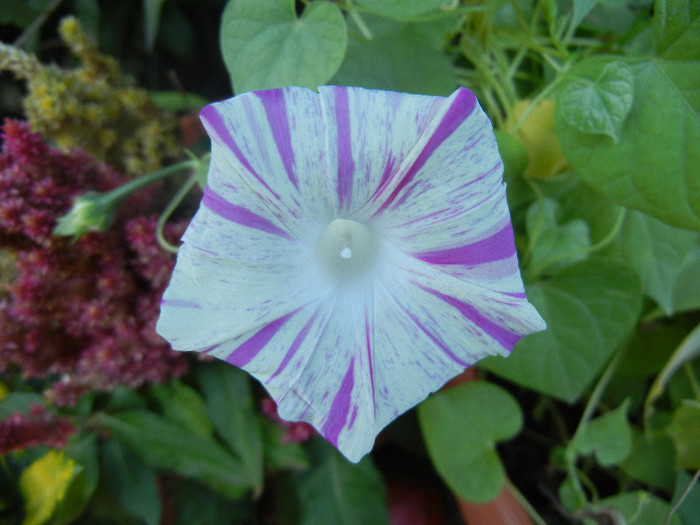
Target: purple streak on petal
[
  {"x": 177, "y": 302},
  {"x": 340, "y": 408},
  {"x": 238, "y": 214},
  {"x": 211, "y": 349},
  {"x": 460, "y": 109},
  {"x": 211, "y": 116},
  {"x": 368, "y": 346},
  {"x": 346, "y": 164},
  {"x": 386, "y": 174},
  {"x": 498, "y": 246},
  {"x": 352, "y": 417},
  {"x": 501, "y": 335},
  {"x": 242, "y": 355},
  {"x": 432, "y": 337},
  {"x": 518, "y": 295},
  {"x": 276, "y": 110},
  {"x": 298, "y": 340}
]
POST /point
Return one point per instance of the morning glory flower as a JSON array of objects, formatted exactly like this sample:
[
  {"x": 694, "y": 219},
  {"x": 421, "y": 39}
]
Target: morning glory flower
[{"x": 353, "y": 251}]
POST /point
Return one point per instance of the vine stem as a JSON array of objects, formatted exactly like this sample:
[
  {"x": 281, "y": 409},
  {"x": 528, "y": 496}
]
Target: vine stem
[
  {"x": 130, "y": 187},
  {"x": 597, "y": 394},
  {"x": 168, "y": 211},
  {"x": 682, "y": 497}
]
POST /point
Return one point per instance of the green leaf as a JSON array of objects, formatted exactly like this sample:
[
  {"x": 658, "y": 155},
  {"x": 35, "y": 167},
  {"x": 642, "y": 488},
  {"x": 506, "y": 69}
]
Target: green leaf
[
  {"x": 151, "y": 21},
  {"x": 686, "y": 351},
  {"x": 677, "y": 29},
  {"x": 335, "y": 491},
  {"x": 684, "y": 429},
  {"x": 638, "y": 508},
  {"x": 666, "y": 258},
  {"x": 18, "y": 12},
  {"x": 278, "y": 454},
  {"x": 198, "y": 505},
  {"x": 599, "y": 107},
  {"x": 580, "y": 9},
  {"x": 655, "y": 165},
  {"x": 688, "y": 509},
  {"x": 165, "y": 445},
  {"x": 608, "y": 436},
  {"x": 651, "y": 460},
  {"x": 571, "y": 494},
  {"x": 183, "y": 405},
  {"x": 402, "y": 10},
  {"x": 589, "y": 307},
  {"x": 554, "y": 245},
  {"x": 265, "y": 45},
  {"x": 133, "y": 484},
  {"x": 399, "y": 57},
  {"x": 230, "y": 406},
  {"x": 461, "y": 426}
]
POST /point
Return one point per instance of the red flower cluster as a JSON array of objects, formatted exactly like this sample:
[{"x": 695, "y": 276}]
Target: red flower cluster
[
  {"x": 81, "y": 313},
  {"x": 39, "y": 427}
]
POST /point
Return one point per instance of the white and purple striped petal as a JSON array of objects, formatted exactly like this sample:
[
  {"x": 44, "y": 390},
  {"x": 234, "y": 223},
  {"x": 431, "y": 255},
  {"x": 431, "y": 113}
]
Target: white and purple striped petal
[{"x": 353, "y": 251}]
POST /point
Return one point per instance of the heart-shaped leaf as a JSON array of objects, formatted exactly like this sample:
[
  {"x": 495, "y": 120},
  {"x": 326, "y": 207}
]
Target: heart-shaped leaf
[
  {"x": 600, "y": 106},
  {"x": 554, "y": 245},
  {"x": 589, "y": 307},
  {"x": 608, "y": 436},
  {"x": 265, "y": 45},
  {"x": 654, "y": 166},
  {"x": 461, "y": 426}
]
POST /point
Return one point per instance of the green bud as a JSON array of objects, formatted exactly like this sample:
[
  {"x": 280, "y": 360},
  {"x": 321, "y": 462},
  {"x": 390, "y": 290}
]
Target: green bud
[{"x": 91, "y": 212}]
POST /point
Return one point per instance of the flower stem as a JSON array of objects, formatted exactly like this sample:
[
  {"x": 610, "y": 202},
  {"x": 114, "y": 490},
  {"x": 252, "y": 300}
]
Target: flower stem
[
  {"x": 168, "y": 211},
  {"x": 117, "y": 194}
]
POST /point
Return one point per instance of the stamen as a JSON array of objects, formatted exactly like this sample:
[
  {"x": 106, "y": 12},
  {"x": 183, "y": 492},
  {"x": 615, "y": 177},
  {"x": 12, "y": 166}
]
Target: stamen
[{"x": 346, "y": 249}]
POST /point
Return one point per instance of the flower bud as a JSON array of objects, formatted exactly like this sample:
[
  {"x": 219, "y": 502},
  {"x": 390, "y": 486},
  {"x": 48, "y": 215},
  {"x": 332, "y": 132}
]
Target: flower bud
[{"x": 91, "y": 212}]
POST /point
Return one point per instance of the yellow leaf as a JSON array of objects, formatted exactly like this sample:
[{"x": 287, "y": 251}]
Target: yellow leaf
[
  {"x": 44, "y": 484},
  {"x": 538, "y": 136}
]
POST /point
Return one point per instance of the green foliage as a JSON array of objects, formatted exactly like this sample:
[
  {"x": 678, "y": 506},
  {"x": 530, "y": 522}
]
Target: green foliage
[
  {"x": 677, "y": 29},
  {"x": 608, "y": 437},
  {"x": 265, "y": 45},
  {"x": 166, "y": 445},
  {"x": 134, "y": 485},
  {"x": 685, "y": 432},
  {"x": 653, "y": 166},
  {"x": 461, "y": 427},
  {"x": 391, "y": 57},
  {"x": 230, "y": 406},
  {"x": 400, "y": 10},
  {"x": 667, "y": 259},
  {"x": 599, "y": 107},
  {"x": 336, "y": 491},
  {"x": 589, "y": 307}
]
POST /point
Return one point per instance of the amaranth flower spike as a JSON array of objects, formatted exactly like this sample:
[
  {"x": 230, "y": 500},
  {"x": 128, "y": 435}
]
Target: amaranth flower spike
[{"x": 353, "y": 251}]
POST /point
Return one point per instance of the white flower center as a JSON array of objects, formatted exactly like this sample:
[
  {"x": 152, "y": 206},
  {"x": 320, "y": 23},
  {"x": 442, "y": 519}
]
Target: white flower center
[{"x": 347, "y": 249}]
